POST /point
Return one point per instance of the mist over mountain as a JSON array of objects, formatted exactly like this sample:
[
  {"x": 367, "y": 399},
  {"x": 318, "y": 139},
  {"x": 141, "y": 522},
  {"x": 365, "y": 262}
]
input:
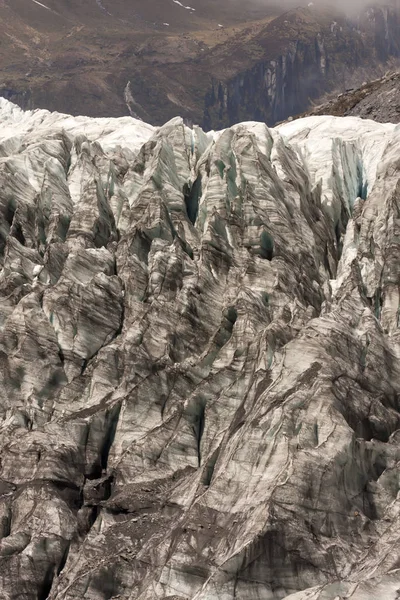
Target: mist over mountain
[{"x": 348, "y": 7}]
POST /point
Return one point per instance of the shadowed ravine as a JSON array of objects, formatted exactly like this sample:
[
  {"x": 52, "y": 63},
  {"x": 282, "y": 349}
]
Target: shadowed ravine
[{"x": 199, "y": 360}]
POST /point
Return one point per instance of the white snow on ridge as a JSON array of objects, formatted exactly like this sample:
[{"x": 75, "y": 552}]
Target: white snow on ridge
[
  {"x": 342, "y": 152},
  {"x": 344, "y": 155},
  {"x": 125, "y": 131}
]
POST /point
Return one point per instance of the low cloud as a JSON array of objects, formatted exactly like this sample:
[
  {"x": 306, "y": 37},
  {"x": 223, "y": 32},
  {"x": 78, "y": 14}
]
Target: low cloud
[{"x": 346, "y": 5}]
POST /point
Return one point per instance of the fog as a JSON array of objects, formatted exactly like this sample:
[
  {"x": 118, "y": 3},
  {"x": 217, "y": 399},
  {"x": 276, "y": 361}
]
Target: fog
[{"x": 349, "y": 6}]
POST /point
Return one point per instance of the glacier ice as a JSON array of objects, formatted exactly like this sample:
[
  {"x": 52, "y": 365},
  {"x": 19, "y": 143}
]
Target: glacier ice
[{"x": 199, "y": 344}]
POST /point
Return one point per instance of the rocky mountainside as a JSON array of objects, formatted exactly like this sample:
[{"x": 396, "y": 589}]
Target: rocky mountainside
[
  {"x": 214, "y": 63},
  {"x": 83, "y": 57},
  {"x": 200, "y": 373},
  {"x": 378, "y": 100},
  {"x": 295, "y": 59}
]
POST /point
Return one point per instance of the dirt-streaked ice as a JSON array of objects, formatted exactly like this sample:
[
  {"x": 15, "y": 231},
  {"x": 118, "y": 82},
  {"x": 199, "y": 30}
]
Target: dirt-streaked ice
[{"x": 199, "y": 360}]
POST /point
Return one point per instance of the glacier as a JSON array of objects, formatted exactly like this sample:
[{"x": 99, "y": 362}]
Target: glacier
[{"x": 199, "y": 345}]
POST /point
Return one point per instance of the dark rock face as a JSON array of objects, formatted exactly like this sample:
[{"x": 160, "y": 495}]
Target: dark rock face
[
  {"x": 261, "y": 65},
  {"x": 20, "y": 97},
  {"x": 377, "y": 100},
  {"x": 199, "y": 344},
  {"x": 303, "y": 54}
]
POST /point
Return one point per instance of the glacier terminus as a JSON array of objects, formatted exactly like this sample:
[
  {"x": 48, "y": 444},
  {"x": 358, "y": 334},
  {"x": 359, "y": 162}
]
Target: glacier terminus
[{"x": 199, "y": 345}]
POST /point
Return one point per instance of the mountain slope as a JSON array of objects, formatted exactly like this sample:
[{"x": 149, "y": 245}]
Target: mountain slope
[
  {"x": 79, "y": 57},
  {"x": 53, "y": 15},
  {"x": 215, "y": 65},
  {"x": 296, "y": 58},
  {"x": 377, "y": 100},
  {"x": 199, "y": 341}
]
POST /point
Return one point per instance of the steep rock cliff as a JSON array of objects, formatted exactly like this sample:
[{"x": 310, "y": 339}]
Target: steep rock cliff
[
  {"x": 295, "y": 59},
  {"x": 199, "y": 360}
]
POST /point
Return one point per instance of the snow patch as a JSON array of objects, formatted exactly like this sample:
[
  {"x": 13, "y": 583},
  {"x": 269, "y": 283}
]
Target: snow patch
[
  {"x": 182, "y": 5},
  {"x": 37, "y": 269},
  {"x": 42, "y": 5},
  {"x": 102, "y": 7}
]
